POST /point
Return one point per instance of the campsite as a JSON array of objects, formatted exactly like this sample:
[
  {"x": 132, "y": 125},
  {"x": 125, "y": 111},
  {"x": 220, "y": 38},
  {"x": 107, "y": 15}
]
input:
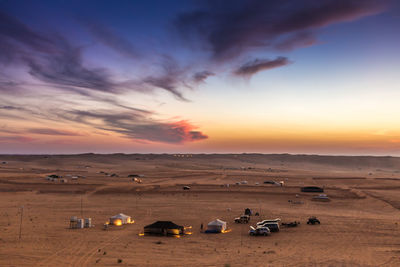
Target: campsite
[{"x": 363, "y": 210}]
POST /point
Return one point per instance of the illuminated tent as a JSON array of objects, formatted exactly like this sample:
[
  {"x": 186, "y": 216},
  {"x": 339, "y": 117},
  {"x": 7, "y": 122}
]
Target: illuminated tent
[
  {"x": 164, "y": 228},
  {"x": 216, "y": 226},
  {"x": 120, "y": 219}
]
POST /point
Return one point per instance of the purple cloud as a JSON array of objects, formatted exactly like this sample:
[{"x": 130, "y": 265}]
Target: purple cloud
[
  {"x": 201, "y": 76},
  {"x": 252, "y": 67},
  {"x": 48, "y": 131},
  {"x": 15, "y": 139},
  {"x": 137, "y": 126},
  {"x": 231, "y": 28}
]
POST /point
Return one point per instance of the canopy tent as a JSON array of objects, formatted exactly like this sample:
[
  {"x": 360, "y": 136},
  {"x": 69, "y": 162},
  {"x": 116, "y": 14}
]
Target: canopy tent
[
  {"x": 216, "y": 226},
  {"x": 120, "y": 219},
  {"x": 164, "y": 228}
]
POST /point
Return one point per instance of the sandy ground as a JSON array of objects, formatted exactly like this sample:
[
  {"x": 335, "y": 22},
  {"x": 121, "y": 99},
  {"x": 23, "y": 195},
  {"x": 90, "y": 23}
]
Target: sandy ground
[{"x": 359, "y": 227}]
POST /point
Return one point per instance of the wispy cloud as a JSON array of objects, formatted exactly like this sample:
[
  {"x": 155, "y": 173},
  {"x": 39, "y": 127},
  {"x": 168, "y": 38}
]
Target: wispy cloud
[
  {"x": 231, "y": 28},
  {"x": 52, "y": 59},
  {"x": 171, "y": 78},
  {"x": 110, "y": 38},
  {"x": 201, "y": 76},
  {"x": 15, "y": 139},
  {"x": 10, "y": 108},
  {"x": 137, "y": 126},
  {"x": 49, "y": 131},
  {"x": 252, "y": 67}
]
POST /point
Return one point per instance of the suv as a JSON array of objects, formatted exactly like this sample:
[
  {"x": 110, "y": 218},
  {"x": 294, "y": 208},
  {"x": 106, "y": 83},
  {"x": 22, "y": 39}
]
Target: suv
[
  {"x": 273, "y": 226},
  {"x": 269, "y": 221},
  {"x": 242, "y": 219},
  {"x": 260, "y": 230},
  {"x": 313, "y": 220}
]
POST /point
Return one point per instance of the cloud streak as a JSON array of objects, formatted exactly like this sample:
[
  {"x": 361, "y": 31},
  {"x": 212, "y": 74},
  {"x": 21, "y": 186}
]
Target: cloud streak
[
  {"x": 201, "y": 76},
  {"x": 49, "y": 131},
  {"x": 52, "y": 59},
  {"x": 15, "y": 139},
  {"x": 137, "y": 126},
  {"x": 231, "y": 28},
  {"x": 109, "y": 38},
  {"x": 252, "y": 67}
]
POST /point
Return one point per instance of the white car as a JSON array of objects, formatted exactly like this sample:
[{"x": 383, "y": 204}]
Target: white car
[
  {"x": 277, "y": 220},
  {"x": 260, "y": 230}
]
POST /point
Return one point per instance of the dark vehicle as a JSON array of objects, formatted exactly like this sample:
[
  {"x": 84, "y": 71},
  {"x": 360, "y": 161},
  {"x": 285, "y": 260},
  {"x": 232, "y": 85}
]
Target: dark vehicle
[
  {"x": 291, "y": 224},
  {"x": 242, "y": 219},
  {"x": 312, "y": 189},
  {"x": 260, "y": 230},
  {"x": 273, "y": 226},
  {"x": 186, "y": 187},
  {"x": 313, "y": 220},
  {"x": 269, "y": 182}
]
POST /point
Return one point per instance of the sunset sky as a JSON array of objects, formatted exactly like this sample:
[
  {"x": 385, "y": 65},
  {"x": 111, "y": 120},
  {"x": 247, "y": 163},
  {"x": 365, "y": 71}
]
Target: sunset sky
[{"x": 320, "y": 77}]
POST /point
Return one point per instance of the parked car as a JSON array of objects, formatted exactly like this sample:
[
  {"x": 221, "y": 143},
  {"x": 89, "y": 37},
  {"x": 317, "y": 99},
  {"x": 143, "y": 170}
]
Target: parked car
[
  {"x": 269, "y": 182},
  {"x": 242, "y": 219},
  {"x": 321, "y": 198},
  {"x": 273, "y": 226},
  {"x": 313, "y": 220},
  {"x": 268, "y": 221},
  {"x": 260, "y": 230},
  {"x": 186, "y": 187},
  {"x": 291, "y": 224}
]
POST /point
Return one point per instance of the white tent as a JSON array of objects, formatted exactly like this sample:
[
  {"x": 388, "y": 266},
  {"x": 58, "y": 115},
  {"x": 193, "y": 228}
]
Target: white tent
[
  {"x": 216, "y": 226},
  {"x": 120, "y": 219}
]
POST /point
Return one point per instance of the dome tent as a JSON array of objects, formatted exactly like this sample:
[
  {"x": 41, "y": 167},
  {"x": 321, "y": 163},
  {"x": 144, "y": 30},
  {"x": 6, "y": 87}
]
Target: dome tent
[
  {"x": 120, "y": 219},
  {"x": 216, "y": 226}
]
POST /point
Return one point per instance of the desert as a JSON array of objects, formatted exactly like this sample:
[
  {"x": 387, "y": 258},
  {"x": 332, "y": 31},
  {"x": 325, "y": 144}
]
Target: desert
[{"x": 359, "y": 226}]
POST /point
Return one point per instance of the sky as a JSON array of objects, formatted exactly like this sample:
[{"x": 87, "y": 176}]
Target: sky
[{"x": 102, "y": 76}]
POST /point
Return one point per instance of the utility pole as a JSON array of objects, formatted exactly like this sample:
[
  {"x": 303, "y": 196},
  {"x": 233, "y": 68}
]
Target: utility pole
[
  {"x": 241, "y": 235},
  {"x": 20, "y": 224},
  {"x": 81, "y": 207}
]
